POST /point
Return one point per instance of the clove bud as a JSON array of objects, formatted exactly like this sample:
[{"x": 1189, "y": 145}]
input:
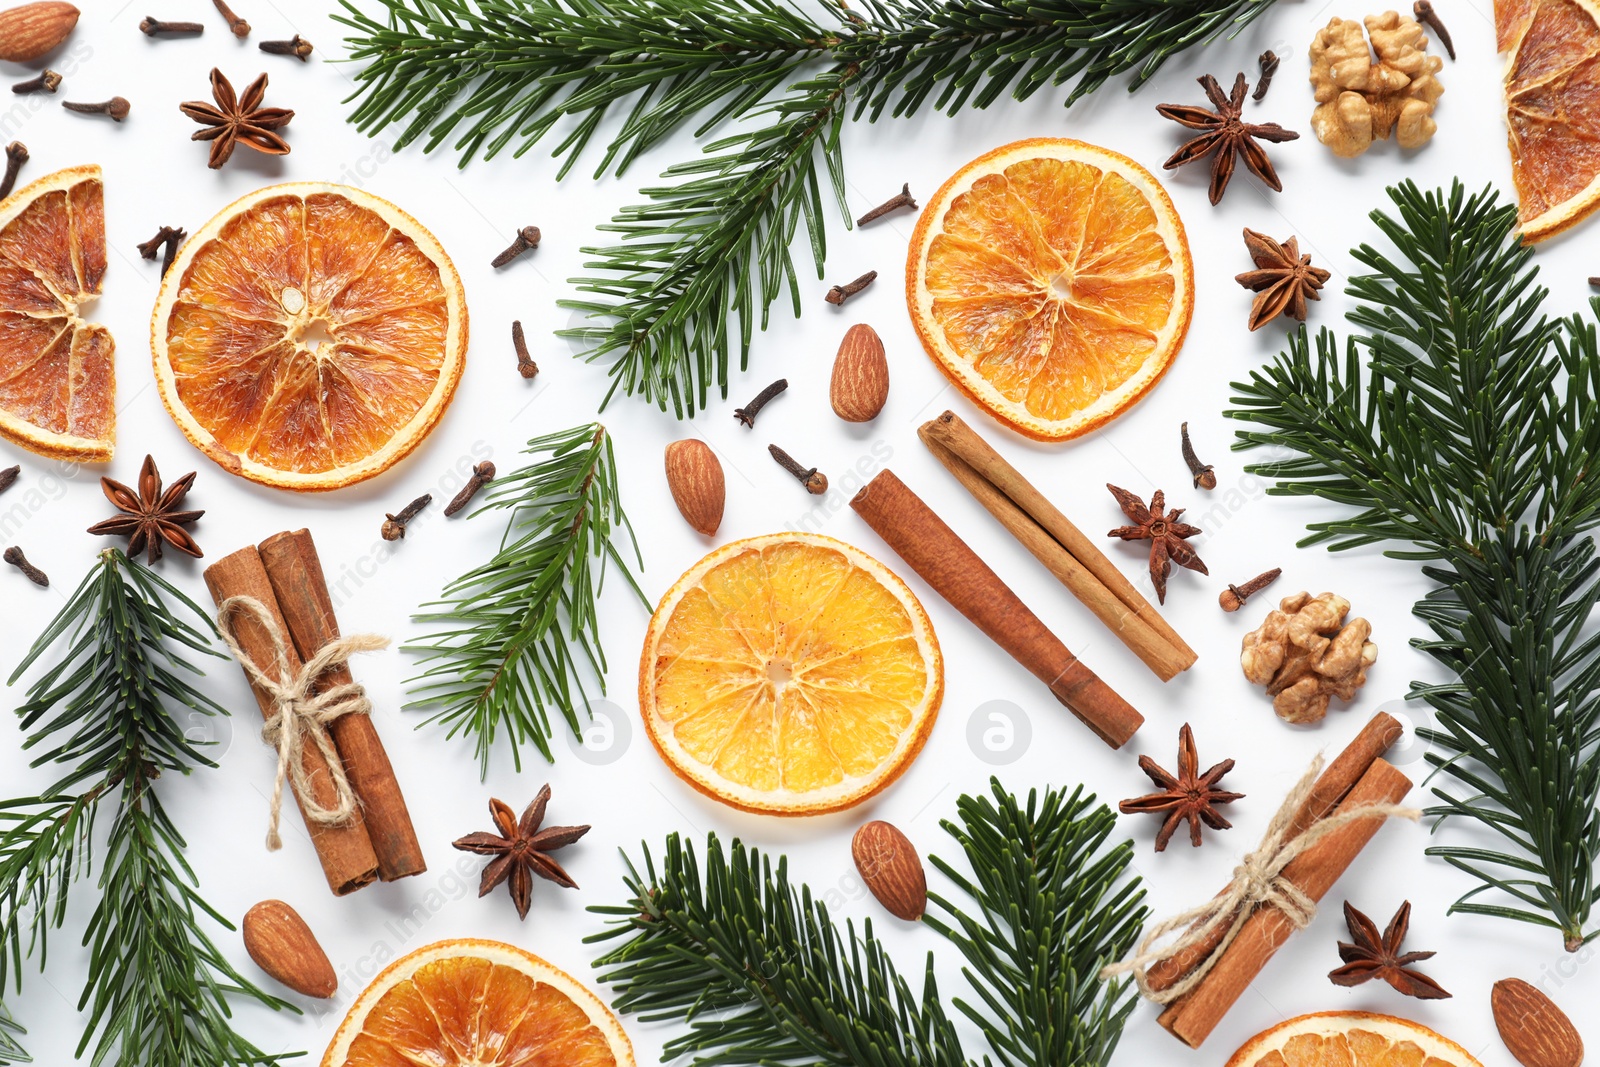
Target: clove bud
[
  {"x": 14, "y": 556},
  {"x": 46, "y": 81},
  {"x": 152, "y": 27},
  {"x": 482, "y": 474},
  {"x": 1234, "y": 597},
  {"x": 16, "y": 156},
  {"x": 394, "y": 526},
  {"x": 296, "y": 46},
  {"x": 117, "y": 108},
  {"x": 899, "y": 200},
  {"x": 527, "y": 238},
  {"x": 840, "y": 293},
  {"x": 816, "y": 483}
]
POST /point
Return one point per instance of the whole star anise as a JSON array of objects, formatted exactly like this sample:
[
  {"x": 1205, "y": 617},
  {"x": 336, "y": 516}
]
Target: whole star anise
[
  {"x": 1190, "y": 796},
  {"x": 150, "y": 518},
  {"x": 1378, "y": 956},
  {"x": 520, "y": 850},
  {"x": 1164, "y": 532},
  {"x": 1283, "y": 280},
  {"x": 1226, "y": 138},
  {"x": 238, "y": 118}
]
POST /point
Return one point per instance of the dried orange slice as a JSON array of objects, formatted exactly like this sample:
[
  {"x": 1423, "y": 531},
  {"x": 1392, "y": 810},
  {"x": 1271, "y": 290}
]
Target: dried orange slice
[
  {"x": 790, "y": 674},
  {"x": 309, "y": 336},
  {"x": 470, "y": 1003},
  {"x": 58, "y": 381},
  {"x": 1050, "y": 280},
  {"x": 1351, "y": 1039},
  {"x": 1552, "y": 86}
]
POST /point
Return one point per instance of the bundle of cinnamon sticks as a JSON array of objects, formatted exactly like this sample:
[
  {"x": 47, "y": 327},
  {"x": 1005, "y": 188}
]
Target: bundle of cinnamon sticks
[
  {"x": 1058, "y": 544},
  {"x": 285, "y": 574}
]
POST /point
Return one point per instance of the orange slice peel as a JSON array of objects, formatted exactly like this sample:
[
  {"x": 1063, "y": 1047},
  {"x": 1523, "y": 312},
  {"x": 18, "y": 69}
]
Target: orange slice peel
[
  {"x": 309, "y": 336},
  {"x": 1050, "y": 280},
  {"x": 1350, "y": 1039},
  {"x": 472, "y": 1003},
  {"x": 790, "y": 674}
]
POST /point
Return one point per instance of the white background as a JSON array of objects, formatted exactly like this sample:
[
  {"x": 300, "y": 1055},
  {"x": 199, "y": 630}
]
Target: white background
[{"x": 155, "y": 176}]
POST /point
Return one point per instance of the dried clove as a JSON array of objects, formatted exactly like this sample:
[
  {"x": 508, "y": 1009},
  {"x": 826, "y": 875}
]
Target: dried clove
[
  {"x": 174, "y": 239},
  {"x": 1233, "y": 597},
  {"x": 46, "y": 81},
  {"x": 14, "y": 556},
  {"x": 527, "y": 238},
  {"x": 816, "y": 484},
  {"x": 239, "y": 26},
  {"x": 525, "y": 364},
  {"x": 1430, "y": 18},
  {"x": 169, "y": 236},
  {"x": 117, "y": 108},
  {"x": 8, "y": 477},
  {"x": 747, "y": 414},
  {"x": 152, "y": 27},
  {"x": 1204, "y": 476},
  {"x": 840, "y": 293},
  {"x": 1269, "y": 67},
  {"x": 482, "y": 474},
  {"x": 16, "y": 156},
  {"x": 296, "y": 46},
  {"x": 899, "y": 200},
  {"x": 394, "y": 526}
]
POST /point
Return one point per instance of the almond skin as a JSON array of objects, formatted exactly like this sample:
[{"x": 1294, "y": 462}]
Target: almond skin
[
  {"x": 283, "y": 945},
  {"x": 1535, "y": 1031},
  {"x": 695, "y": 477},
  {"x": 32, "y": 30},
  {"x": 890, "y": 866},
  {"x": 860, "y": 385}
]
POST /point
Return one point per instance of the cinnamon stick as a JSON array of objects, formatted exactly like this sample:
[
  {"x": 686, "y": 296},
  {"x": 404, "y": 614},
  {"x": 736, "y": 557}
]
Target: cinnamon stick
[
  {"x": 1192, "y": 1018},
  {"x": 345, "y": 851},
  {"x": 956, "y": 573},
  {"x": 1331, "y": 787},
  {"x": 1057, "y": 543},
  {"x": 295, "y": 571}
]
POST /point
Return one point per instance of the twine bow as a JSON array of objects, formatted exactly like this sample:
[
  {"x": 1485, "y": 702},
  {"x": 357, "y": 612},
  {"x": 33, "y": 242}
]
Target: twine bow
[
  {"x": 299, "y": 714},
  {"x": 1258, "y": 881}
]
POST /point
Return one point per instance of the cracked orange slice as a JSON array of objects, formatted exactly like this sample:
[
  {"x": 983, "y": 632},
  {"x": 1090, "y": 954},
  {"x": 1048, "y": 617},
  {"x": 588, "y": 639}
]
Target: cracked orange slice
[
  {"x": 1351, "y": 1039},
  {"x": 790, "y": 674},
  {"x": 58, "y": 381},
  {"x": 1552, "y": 88},
  {"x": 309, "y": 336},
  {"x": 1050, "y": 280},
  {"x": 470, "y": 1003}
]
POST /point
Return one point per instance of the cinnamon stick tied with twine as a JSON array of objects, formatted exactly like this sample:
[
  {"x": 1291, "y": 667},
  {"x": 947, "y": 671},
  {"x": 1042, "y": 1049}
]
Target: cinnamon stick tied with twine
[
  {"x": 254, "y": 629},
  {"x": 1053, "y": 539},
  {"x": 301, "y": 714},
  {"x": 956, "y": 573}
]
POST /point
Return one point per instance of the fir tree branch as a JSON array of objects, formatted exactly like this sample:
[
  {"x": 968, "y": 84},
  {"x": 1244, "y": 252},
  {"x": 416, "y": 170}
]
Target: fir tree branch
[
  {"x": 1460, "y": 428},
  {"x": 11, "y": 1050},
  {"x": 512, "y": 632},
  {"x": 158, "y": 990},
  {"x": 761, "y": 975}
]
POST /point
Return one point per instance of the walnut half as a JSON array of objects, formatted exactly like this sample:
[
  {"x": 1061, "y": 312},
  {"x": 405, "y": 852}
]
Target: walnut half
[
  {"x": 1305, "y": 653},
  {"x": 1360, "y": 101}
]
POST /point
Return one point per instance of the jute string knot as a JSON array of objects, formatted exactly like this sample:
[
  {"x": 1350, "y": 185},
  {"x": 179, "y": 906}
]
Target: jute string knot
[
  {"x": 1258, "y": 881},
  {"x": 300, "y": 714}
]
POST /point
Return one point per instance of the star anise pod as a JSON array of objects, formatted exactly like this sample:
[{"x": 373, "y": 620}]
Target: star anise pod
[
  {"x": 1283, "y": 280},
  {"x": 150, "y": 518},
  {"x": 1191, "y": 795},
  {"x": 1226, "y": 137},
  {"x": 521, "y": 850},
  {"x": 1374, "y": 956},
  {"x": 1164, "y": 532},
  {"x": 234, "y": 119}
]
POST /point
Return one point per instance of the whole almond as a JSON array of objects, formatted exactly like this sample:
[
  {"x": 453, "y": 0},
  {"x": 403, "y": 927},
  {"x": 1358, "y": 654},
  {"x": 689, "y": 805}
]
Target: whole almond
[
  {"x": 695, "y": 478},
  {"x": 1535, "y": 1031},
  {"x": 890, "y": 866},
  {"x": 32, "y": 30},
  {"x": 283, "y": 945},
  {"x": 860, "y": 385}
]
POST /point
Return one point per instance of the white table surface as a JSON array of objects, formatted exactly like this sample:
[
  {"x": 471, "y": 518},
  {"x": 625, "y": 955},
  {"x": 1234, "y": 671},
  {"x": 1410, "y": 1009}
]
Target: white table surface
[{"x": 155, "y": 176}]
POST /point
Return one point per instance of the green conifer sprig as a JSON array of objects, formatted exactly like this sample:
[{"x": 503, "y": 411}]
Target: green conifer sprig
[
  {"x": 707, "y": 254},
  {"x": 758, "y": 971},
  {"x": 11, "y": 1050},
  {"x": 112, "y": 711},
  {"x": 1460, "y": 427},
  {"x": 512, "y": 636}
]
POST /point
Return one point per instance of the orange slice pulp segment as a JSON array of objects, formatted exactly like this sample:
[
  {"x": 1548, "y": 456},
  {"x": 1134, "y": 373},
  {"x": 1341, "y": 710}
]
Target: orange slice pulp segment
[
  {"x": 309, "y": 336},
  {"x": 468, "y": 1003},
  {"x": 1051, "y": 281},
  {"x": 791, "y": 674},
  {"x": 57, "y": 372},
  {"x": 1351, "y": 1039}
]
